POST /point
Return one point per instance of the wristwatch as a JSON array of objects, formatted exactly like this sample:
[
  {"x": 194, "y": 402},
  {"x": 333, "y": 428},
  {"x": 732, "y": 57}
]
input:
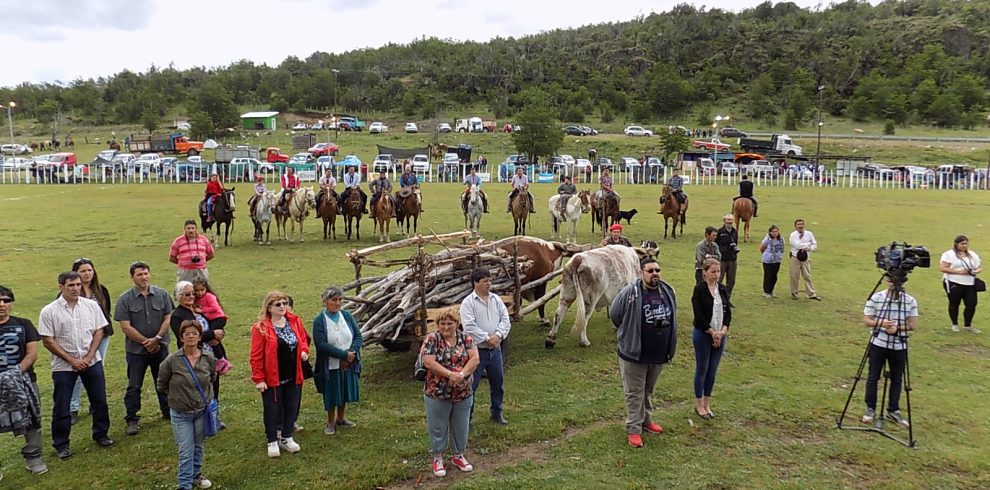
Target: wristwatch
[{"x": 159, "y": 337}]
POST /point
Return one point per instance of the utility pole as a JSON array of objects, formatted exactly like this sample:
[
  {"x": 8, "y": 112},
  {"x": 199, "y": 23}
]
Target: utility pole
[{"x": 336, "y": 126}]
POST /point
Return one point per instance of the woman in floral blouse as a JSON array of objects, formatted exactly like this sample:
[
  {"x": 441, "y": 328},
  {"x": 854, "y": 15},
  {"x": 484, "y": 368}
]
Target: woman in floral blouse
[{"x": 450, "y": 358}]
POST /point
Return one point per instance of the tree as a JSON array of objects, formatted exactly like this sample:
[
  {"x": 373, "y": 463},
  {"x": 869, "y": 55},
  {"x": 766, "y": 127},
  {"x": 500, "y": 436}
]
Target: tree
[
  {"x": 200, "y": 125},
  {"x": 673, "y": 142},
  {"x": 218, "y": 104},
  {"x": 539, "y": 134},
  {"x": 149, "y": 119},
  {"x": 759, "y": 102},
  {"x": 945, "y": 110}
]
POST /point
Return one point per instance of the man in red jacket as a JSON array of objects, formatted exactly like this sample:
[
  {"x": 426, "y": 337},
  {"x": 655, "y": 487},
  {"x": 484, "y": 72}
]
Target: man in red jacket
[{"x": 290, "y": 182}]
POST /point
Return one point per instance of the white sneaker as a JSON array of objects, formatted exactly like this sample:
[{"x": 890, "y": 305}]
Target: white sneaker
[
  {"x": 972, "y": 330},
  {"x": 273, "y": 451},
  {"x": 955, "y": 328},
  {"x": 289, "y": 445},
  {"x": 201, "y": 482}
]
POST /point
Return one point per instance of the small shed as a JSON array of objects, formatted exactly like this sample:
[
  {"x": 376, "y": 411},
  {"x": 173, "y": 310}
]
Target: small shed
[{"x": 259, "y": 120}]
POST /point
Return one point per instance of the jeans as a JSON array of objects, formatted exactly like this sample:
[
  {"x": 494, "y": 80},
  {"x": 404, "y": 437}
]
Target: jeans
[
  {"x": 137, "y": 366},
  {"x": 77, "y": 391},
  {"x": 96, "y": 389},
  {"x": 280, "y": 405},
  {"x": 638, "y": 382},
  {"x": 896, "y": 359},
  {"x": 728, "y": 276},
  {"x": 448, "y": 420},
  {"x": 770, "y": 272},
  {"x": 959, "y": 293},
  {"x": 491, "y": 363},
  {"x": 187, "y": 429},
  {"x": 706, "y": 358}
]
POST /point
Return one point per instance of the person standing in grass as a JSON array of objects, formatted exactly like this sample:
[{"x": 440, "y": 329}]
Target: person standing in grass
[
  {"x": 772, "y": 250},
  {"x": 450, "y": 359},
  {"x": 712, "y": 316},
  {"x": 803, "y": 244},
  {"x": 190, "y": 252},
  {"x": 486, "y": 320},
  {"x": 644, "y": 314},
  {"x": 727, "y": 238},
  {"x": 182, "y": 375},
  {"x": 890, "y": 314},
  {"x": 338, "y": 356},
  {"x": 706, "y": 249},
  {"x": 959, "y": 267},
  {"x": 19, "y": 346},
  {"x": 94, "y": 290},
  {"x": 279, "y": 346}
]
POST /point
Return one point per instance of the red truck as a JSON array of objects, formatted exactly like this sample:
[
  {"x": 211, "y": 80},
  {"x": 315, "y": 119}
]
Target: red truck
[{"x": 275, "y": 155}]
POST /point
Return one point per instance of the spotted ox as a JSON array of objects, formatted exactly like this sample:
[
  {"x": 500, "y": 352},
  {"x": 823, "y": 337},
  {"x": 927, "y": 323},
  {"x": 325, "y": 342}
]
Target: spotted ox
[
  {"x": 593, "y": 279},
  {"x": 546, "y": 258}
]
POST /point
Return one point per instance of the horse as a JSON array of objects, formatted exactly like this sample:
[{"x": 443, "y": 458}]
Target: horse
[
  {"x": 328, "y": 211},
  {"x": 302, "y": 199},
  {"x": 742, "y": 209},
  {"x": 475, "y": 209},
  {"x": 352, "y": 210},
  {"x": 605, "y": 207},
  {"x": 262, "y": 218},
  {"x": 223, "y": 214},
  {"x": 520, "y": 212},
  {"x": 576, "y": 206},
  {"x": 382, "y": 213},
  {"x": 672, "y": 209},
  {"x": 114, "y": 146},
  {"x": 409, "y": 212}
]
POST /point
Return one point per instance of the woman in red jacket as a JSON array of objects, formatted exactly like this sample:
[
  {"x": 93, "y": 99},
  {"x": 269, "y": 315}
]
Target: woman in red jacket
[
  {"x": 279, "y": 346},
  {"x": 214, "y": 189}
]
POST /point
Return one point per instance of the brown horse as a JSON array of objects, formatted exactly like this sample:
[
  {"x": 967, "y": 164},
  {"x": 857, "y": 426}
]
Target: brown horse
[
  {"x": 520, "y": 212},
  {"x": 672, "y": 209},
  {"x": 608, "y": 206},
  {"x": 409, "y": 212},
  {"x": 328, "y": 211},
  {"x": 382, "y": 213},
  {"x": 742, "y": 209},
  {"x": 352, "y": 211}
]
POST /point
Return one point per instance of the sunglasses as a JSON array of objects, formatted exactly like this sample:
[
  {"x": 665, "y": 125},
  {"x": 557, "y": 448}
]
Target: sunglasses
[
  {"x": 187, "y": 294},
  {"x": 81, "y": 261},
  {"x": 652, "y": 271},
  {"x": 6, "y": 301},
  {"x": 281, "y": 304}
]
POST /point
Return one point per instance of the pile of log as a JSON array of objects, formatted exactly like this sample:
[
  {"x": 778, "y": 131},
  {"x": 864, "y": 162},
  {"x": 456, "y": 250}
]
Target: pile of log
[{"x": 401, "y": 301}]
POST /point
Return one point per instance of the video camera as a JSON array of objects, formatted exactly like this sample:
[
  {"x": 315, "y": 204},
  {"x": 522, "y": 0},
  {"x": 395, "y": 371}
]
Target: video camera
[{"x": 897, "y": 260}]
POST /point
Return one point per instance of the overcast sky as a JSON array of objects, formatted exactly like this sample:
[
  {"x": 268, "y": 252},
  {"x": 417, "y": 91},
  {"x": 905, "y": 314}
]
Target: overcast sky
[{"x": 63, "y": 40}]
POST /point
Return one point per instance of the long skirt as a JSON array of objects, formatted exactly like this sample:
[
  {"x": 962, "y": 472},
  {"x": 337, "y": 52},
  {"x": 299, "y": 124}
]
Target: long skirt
[{"x": 340, "y": 387}]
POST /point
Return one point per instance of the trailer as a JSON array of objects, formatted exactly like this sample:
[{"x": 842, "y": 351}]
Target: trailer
[
  {"x": 777, "y": 144},
  {"x": 227, "y": 154}
]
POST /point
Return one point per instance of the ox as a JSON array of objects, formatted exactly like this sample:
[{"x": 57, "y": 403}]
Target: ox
[
  {"x": 546, "y": 258},
  {"x": 593, "y": 279}
]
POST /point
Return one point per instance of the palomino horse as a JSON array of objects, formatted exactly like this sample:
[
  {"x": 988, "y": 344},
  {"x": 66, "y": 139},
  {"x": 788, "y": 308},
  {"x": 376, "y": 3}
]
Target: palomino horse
[
  {"x": 576, "y": 206},
  {"x": 475, "y": 209},
  {"x": 262, "y": 218},
  {"x": 300, "y": 202},
  {"x": 382, "y": 213},
  {"x": 409, "y": 212},
  {"x": 520, "y": 212},
  {"x": 328, "y": 211},
  {"x": 605, "y": 210},
  {"x": 672, "y": 209},
  {"x": 223, "y": 214},
  {"x": 352, "y": 211},
  {"x": 742, "y": 209}
]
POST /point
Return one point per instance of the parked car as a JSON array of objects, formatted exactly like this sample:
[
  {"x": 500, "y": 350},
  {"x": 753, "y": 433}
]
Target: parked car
[
  {"x": 637, "y": 131},
  {"x": 678, "y": 130},
  {"x": 16, "y": 163},
  {"x": 421, "y": 163},
  {"x": 412, "y": 128},
  {"x": 300, "y": 126},
  {"x": 324, "y": 162},
  {"x": 731, "y": 132},
  {"x": 876, "y": 171},
  {"x": 628, "y": 163},
  {"x": 575, "y": 131},
  {"x": 378, "y": 127},
  {"x": 706, "y": 166},
  {"x": 583, "y": 165},
  {"x": 196, "y": 159},
  {"x": 443, "y": 128},
  {"x": 321, "y": 149},
  {"x": 107, "y": 155},
  {"x": 318, "y": 126},
  {"x": 603, "y": 162},
  {"x": 124, "y": 159},
  {"x": 729, "y": 168},
  {"x": 302, "y": 158},
  {"x": 383, "y": 163},
  {"x": 150, "y": 160},
  {"x": 15, "y": 149},
  {"x": 252, "y": 163},
  {"x": 759, "y": 168},
  {"x": 714, "y": 144},
  {"x": 800, "y": 172},
  {"x": 589, "y": 131}
]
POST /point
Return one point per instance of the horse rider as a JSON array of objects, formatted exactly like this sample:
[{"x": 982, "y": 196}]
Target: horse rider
[
  {"x": 473, "y": 179},
  {"x": 290, "y": 182},
  {"x": 328, "y": 184},
  {"x": 259, "y": 192},
  {"x": 615, "y": 237},
  {"x": 380, "y": 187},
  {"x": 352, "y": 183},
  {"x": 214, "y": 189},
  {"x": 676, "y": 183},
  {"x": 407, "y": 180},
  {"x": 746, "y": 191},
  {"x": 606, "y": 183},
  {"x": 565, "y": 190},
  {"x": 520, "y": 183}
]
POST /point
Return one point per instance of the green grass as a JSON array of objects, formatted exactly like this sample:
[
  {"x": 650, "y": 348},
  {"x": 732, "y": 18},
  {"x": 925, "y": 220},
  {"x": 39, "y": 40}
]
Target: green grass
[{"x": 784, "y": 377}]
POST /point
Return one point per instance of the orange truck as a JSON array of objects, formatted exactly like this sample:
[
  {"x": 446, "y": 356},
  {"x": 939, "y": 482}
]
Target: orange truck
[{"x": 174, "y": 143}]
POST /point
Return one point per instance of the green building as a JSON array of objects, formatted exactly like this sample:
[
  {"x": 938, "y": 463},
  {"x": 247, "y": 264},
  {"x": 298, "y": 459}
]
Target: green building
[{"x": 259, "y": 120}]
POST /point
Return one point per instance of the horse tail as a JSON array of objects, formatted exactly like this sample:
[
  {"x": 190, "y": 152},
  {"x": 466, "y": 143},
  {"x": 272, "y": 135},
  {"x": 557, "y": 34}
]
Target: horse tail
[{"x": 579, "y": 316}]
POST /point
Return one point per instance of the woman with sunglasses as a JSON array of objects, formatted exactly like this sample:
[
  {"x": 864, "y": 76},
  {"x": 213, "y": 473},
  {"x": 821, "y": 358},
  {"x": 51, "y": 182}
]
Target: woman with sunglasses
[
  {"x": 92, "y": 289},
  {"x": 279, "y": 345},
  {"x": 211, "y": 335}
]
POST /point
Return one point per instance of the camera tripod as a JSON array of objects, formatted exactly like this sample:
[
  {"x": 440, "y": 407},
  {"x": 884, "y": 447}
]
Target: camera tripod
[{"x": 894, "y": 302}]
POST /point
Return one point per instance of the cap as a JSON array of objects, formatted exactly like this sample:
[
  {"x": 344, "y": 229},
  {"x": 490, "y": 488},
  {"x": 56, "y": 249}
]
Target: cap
[
  {"x": 259, "y": 178},
  {"x": 615, "y": 227}
]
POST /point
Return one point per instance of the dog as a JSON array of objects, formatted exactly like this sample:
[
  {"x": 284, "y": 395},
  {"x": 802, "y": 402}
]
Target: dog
[{"x": 627, "y": 215}]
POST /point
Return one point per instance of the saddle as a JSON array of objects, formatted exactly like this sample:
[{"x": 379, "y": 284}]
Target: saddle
[{"x": 680, "y": 196}]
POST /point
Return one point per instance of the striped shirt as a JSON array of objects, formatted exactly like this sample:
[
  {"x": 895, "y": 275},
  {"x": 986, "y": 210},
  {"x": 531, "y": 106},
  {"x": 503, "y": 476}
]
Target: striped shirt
[
  {"x": 898, "y": 310},
  {"x": 71, "y": 328},
  {"x": 185, "y": 249}
]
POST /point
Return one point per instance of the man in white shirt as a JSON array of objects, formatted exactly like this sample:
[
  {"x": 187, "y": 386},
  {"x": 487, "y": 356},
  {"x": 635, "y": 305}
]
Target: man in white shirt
[
  {"x": 486, "y": 319},
  {"x": 352, "y": 183},
  {"x": 71, "y": 327},
  {"x": 803, "y": 243}
]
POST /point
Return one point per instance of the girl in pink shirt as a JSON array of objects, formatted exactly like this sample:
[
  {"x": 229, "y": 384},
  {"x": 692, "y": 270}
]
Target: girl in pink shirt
[{"x": 208, "y": 304}]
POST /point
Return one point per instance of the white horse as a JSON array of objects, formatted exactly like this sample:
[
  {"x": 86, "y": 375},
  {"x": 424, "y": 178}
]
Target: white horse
[
  {"x": 299, "y": 204},
  {"x": 475, "y": 208},
  {"x": 577, "y": 205},
  {"x": 263, "y": 218}
]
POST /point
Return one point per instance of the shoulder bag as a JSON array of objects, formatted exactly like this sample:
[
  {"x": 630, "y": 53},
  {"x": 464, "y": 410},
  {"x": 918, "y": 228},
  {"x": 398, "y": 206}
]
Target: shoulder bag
[
  {"x": 419, "y": 370},
  {"x": 979, "y": 284},
  {"x": 211, "y": 426}
]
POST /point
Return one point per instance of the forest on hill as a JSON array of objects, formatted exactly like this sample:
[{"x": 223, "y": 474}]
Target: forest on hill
[{"x": 910, "y": 61}]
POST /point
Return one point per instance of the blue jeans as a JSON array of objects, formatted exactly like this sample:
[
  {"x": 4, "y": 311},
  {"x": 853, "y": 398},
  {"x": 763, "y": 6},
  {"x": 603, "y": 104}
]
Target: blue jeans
[
  {"x": 491, "y": 363},
  {"x": 187, "y": 429},
  {"x": 77, "y": 391},
  {"x": 96, "y": 389},
  {"x": 448, "y": 420},
  {"x": 706, "y": 362}
]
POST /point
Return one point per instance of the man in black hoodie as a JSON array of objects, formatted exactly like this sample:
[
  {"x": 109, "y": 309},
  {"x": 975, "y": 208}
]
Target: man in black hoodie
[{"x": 727, "y": 240}]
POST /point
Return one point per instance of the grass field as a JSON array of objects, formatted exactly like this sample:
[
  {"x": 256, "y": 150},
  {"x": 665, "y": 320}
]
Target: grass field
[{"x": 784, "y": 378}]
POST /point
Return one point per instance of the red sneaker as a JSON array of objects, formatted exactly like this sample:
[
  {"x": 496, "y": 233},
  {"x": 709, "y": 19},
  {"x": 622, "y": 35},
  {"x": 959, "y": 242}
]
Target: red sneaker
[
  {"x": 635, "y": 440},
  {"x": 653, "y": 428},
  {"x": 461, "y": 463},
  {"x": 438, "y": 468}
]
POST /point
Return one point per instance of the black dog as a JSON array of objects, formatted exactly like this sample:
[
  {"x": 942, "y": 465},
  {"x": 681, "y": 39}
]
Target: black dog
[{"x": 627, "y": 215}]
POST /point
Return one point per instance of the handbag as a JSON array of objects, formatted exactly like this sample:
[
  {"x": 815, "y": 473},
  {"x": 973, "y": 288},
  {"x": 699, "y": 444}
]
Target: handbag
[
  {"x": 211, "y": 426},
  {"x": 307, "y": 369},
  {"x": 419, "y": 370},
  {"x": 981, "y": 287},
  {"x": 802, "y": 255}
]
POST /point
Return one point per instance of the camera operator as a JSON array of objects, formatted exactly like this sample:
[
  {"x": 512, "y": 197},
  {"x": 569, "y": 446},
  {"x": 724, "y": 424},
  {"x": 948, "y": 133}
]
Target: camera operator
[
  {"x": 890, "y": 314},
  {"x": 190, "y": 251},
  {"x": 959, "y": 267}
]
